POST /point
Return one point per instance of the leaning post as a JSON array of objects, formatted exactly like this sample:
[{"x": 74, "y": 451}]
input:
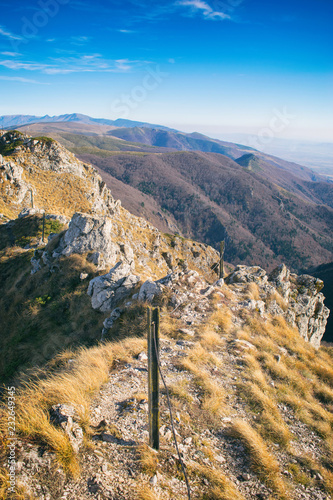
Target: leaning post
[
  {"x": 43, "y": 227},
  {"x": 153, "y": 376},
  {"x": 222, "y": 247}
]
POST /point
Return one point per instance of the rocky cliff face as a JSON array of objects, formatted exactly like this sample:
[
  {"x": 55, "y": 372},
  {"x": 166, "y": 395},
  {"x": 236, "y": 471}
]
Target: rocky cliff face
[
  {"x": 297, "y": 298},
  {"x": 43, "y": 174}
]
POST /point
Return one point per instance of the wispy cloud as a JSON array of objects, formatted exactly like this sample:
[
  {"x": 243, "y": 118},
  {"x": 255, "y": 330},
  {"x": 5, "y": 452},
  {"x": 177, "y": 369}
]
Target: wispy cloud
[
  {"x": 4, "y": 32},
  {"x": 21, "y": 80},
  {"x": 11, "y": 54},
  {"x": 137, "y": 10},
  {"x": 82, "y": 64},
  {"x": 80, "y": 40},
  {"x": 127, "y": 31},
  {"x": 206, "y": 10}
]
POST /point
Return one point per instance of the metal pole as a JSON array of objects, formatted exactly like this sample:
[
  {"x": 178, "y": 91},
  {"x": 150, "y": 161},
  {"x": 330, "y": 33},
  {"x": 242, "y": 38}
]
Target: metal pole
[
  {"x": 222, "y": 247},
  {"x": 43, "y": 226},
  {"x": 153, "y": 376}
]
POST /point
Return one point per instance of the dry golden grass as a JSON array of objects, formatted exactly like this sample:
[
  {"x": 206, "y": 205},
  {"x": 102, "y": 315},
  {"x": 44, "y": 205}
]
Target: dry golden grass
[
  {"x": 76, "y": 386},
  {"x": 20, "y": 491},
  {"x": 148, "y": 459},
  {"x": 210, "y": 338},
  {"x": 220, "y": 487},
  {"x": 257, "y": 399},
  {"x": 145, "y": 493},
  {"x": 212, "y": 394},
  {"x": 59, "y": 193},
  {"x": 252, "y": 291},
  {"x": 265, "y": 344},
  {"x": 275, "y": 296},
  {"x": 222, "y": 318},
  {"x": 261, "y": 459},
  {"x": 198, "y": 355},
  {"x": 254, "y": 373},
  {"x": 228, "y": 292},
  {"x": 181, "y": 390},
  {"x": 299, "y": 476},
  {"x": 323, "y": 392},
  {"x": 280, "y": 371},
  {"x": 323, "y": 371},
  {"x": 244, "y": 334},
  {"x": 169, "y": 325},
  {"x": 273, "y": 428}
]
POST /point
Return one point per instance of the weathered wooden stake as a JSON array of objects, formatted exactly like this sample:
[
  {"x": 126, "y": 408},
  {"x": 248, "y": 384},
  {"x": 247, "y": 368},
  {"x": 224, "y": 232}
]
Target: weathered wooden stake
[
  {"x": 32, "y": 198},
  {"x": 153, "y": 377},
  {"x": 222, "y": 246},
  {"x": 43, "y": 226}
]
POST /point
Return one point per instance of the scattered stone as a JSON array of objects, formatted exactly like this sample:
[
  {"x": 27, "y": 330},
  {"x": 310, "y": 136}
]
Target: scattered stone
[
  {"x": 153, "y": 480},
  {"x": 142, "y": 356}
]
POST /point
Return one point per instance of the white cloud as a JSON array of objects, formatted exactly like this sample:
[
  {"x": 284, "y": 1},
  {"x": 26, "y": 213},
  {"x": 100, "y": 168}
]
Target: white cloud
[
  {"x": 22, "y": 80},
  {"x": 126, "y": 31},
  {"x": 8, "y": 34},
  {"x": 75, "y": 64},
  {"x": 206, "y": 10},
  {"x": 80, "y": 40},
  {"x": 11, "y": 54}
]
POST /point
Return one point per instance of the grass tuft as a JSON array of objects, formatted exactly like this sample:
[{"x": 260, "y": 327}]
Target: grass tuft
[{"x": 261, "y": 459}]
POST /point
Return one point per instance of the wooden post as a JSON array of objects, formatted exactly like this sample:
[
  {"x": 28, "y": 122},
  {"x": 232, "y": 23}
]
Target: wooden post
[
  {"x": 43, "y": 227},
  {"x": 222, "y": 246},
  {"x": 153, "y": 376},
  {"x": 32, "y": 198}
]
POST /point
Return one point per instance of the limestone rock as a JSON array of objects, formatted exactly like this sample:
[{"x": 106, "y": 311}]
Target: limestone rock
[
  {"x": 280, "y": 279},
  {"x": 149, "y": 290},
  {"x": 247, "y": 274},
  {"x": 254, "y": 305},
  {"x": 307, "y": 310},
  {"x": 115, "y": 314},
  {"x": 108, "y": 290},
  {"x": 305, "y": 307},
  {"x": 27, "y": 212},
  {"x": 87, "y": 233}
]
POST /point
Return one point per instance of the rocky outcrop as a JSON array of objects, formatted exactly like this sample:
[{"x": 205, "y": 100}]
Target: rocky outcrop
[
  {"x": 89, "y": 234},
  {"x": 303, "y": 302},
  {"x": 26, "y": 156},
  {"x": 108, "y": 290},
  {"x": 149, "y": 290}
]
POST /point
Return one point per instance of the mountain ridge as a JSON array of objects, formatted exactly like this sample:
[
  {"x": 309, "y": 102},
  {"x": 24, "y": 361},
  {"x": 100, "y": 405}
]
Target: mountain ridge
[{"x": 12, "y": 121}]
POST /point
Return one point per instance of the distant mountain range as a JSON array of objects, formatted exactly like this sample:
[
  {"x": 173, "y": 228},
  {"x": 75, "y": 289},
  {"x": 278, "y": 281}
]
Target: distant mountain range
[{"x": 13, "y": 121}]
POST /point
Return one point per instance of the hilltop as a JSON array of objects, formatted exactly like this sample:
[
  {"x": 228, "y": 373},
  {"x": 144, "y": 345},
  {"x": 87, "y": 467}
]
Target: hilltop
[{"x": 250, "y": 384}]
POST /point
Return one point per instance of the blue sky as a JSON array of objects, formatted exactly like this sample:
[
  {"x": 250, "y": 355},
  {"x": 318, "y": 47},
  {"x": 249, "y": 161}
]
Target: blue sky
[{"x": 246, "y": 66}]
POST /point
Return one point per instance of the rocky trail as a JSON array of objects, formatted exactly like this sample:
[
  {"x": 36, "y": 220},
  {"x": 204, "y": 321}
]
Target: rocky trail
[{"x": 117, "y": 464}]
